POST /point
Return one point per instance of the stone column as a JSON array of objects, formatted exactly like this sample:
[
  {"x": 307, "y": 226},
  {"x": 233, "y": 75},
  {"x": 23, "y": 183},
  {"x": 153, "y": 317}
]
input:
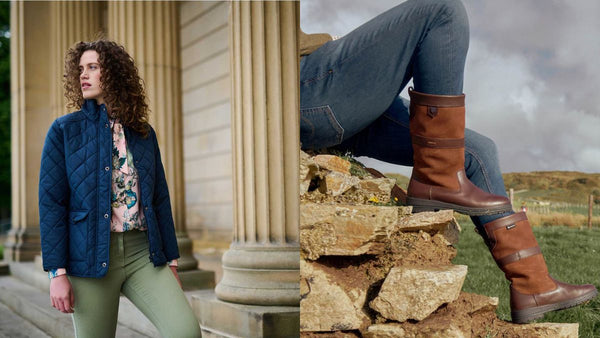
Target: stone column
[
  {"x": 71, "y": 22},
  {"x": 262, "y": 265},
  {"x": 30, "y": 116},
  {"x": 149, "y": 31},
  {"x": 34, "y": 107}
]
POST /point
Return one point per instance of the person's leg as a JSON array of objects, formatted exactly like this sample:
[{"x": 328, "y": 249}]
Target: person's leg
[
  {"x": 97, "y": 299},
  {"x": 508, "y": 235},
  {"x": 388, "y": 139},
  {"x": 348, "y": 83},
  {"x": 155, "y": 291}
]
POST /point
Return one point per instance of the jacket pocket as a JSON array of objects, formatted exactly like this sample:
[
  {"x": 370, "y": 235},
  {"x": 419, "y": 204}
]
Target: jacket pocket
[
  {"x": 78, "y": 215},
  {"x": 319, "y": 128}
]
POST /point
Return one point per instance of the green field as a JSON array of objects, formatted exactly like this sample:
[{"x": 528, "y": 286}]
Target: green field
[{"x": 572, "y": 256}]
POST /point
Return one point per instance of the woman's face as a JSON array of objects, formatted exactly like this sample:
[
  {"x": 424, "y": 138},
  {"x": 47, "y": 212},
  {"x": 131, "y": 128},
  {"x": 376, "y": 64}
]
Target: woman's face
[{"x": 89, "y": 76}]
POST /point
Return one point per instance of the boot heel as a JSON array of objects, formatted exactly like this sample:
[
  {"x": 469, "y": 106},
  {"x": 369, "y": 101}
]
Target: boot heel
[{"x": 422, "y": 205}]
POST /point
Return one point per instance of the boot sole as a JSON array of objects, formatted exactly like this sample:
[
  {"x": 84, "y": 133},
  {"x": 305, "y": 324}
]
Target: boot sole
[
  {"x": 420, "y": 205},
  {"x": 527, "y": 315}
]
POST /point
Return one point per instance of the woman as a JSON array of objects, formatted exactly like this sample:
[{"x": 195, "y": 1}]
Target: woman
[
  {"x": 349, "y": 102},
  {"x": 105, "y": 215}
]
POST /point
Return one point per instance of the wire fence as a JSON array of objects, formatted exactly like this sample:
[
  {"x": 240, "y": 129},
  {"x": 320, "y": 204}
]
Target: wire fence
[
  {"x": 561, "y": 213},
  {"x": 564, "y": 208}
]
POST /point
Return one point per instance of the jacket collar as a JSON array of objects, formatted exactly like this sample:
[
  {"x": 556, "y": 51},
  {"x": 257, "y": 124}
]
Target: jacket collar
[{"x": 92, "y": 110}]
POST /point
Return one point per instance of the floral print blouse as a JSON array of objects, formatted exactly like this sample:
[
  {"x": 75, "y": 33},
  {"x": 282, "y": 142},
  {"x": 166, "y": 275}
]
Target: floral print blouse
[{"x": 126, "y": 212}]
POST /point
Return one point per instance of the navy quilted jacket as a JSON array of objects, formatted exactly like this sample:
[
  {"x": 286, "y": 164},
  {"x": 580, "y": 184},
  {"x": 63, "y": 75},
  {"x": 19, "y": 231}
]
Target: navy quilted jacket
[{"x": 75, "y": 190}]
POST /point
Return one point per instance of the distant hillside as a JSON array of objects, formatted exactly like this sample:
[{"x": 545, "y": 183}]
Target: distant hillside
[{"x": 557, "y": 186}]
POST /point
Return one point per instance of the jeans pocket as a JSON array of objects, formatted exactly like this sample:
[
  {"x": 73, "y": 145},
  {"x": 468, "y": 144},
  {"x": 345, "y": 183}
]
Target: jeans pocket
[{"x": 319, "y": 128}]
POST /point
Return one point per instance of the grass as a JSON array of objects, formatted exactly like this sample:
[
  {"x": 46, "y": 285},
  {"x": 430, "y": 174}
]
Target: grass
[
  {"x": 1, "y": 252},
  {"x": 571, "y": 255}
]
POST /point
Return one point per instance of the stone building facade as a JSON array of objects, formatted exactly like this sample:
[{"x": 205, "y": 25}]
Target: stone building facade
[{"x": 233, "y": 191}]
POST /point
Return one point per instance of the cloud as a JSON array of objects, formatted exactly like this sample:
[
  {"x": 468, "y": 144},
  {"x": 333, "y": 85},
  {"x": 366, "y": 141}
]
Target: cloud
[{"x": 531, "y": 78}]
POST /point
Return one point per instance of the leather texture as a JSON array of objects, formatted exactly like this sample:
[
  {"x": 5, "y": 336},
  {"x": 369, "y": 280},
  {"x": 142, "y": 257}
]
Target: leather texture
[
  {"x": 439, "y": 156},
  {"x": 562, "y": 292},
  {"x": 75, "y": 193},
  {"x": 515, "y": 249},
  {"x": 467, "y": 193}
]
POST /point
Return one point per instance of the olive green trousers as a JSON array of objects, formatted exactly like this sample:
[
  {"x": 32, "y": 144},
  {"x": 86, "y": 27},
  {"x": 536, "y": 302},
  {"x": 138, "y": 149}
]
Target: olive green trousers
[{"x": 153, "y": 290}]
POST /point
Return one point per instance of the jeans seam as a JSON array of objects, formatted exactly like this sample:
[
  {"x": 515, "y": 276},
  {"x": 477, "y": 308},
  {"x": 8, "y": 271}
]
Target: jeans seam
[
  {"x": 330, "y": 114},
  {"x": 395, "y": 121},
  {"x": 483, "y": 171}
]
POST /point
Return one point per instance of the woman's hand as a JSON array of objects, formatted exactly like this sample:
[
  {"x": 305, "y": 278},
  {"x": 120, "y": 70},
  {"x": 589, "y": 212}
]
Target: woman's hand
[
  {"x": 61, "y": 294},
  {"x": 174, "y": 269}
]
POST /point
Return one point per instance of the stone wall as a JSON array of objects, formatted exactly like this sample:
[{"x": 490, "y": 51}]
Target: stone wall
[{"x": 371, "y": 268}]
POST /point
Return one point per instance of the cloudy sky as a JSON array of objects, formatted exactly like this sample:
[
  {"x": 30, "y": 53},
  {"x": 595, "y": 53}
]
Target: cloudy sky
[{"x": 532, "y": 78}]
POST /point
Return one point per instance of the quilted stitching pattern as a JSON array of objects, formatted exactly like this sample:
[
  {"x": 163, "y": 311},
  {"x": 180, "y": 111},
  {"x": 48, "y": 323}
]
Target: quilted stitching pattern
[{"x": 73, "y": 180}]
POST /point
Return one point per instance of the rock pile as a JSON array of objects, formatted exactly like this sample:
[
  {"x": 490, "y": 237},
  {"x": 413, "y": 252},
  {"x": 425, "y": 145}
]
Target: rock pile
[{"x": 371, "y": 268}]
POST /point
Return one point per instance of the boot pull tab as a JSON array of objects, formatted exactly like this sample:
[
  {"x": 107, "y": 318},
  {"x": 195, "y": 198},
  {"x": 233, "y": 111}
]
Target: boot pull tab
[
  {"x": 508, "y": 227},
  {"x": 432, "y": 111}
]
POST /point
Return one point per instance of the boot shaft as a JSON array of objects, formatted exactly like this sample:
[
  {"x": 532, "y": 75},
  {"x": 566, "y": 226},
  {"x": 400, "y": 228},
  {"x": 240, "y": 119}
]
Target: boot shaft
[
  {"x": 516, "y": 251},
  {"x": 437, "y": 128}
]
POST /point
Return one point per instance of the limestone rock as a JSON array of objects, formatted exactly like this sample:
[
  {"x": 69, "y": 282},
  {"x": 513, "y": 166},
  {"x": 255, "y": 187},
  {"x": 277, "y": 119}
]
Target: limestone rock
[
  {"x": 346, "y": 230},
  {"x": 480, "y": 303},
  {"x": 391, "y": 330},
  {"x": 336, "y": 183},
  {"x": 394, "y": 330},
  {"x": 542, "y": 330},
  {"x": 381, "y": 188},
  {"x": 327, "y": 304},
  {"x": 440, "y": 221},
  {"x": 333, "y": 163},
  {"x": 415, "y": 293},
  {"x": 308, "y": 169}
]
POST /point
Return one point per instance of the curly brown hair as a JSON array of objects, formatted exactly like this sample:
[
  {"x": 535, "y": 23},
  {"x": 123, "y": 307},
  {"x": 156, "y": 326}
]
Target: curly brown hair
[{"x": 122, "y": 87}]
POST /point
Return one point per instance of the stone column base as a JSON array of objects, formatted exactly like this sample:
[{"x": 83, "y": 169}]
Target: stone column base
[
  {"x": 224, "y": 319},
  {"x": 22, "y": 245},
  {"x": 4, "y": 268},
  {"x": 197, "y": 279}
]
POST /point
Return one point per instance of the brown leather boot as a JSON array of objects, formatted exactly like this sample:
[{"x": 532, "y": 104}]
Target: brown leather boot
[
  {"x": 438, "y": 180},
  {"x": 533, "y": 291}
]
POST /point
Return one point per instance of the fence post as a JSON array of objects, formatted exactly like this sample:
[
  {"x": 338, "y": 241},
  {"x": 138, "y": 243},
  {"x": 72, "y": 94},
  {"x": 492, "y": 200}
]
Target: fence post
[
  {"x": 590, "y": 206},
  {"x": 511, "y": 195}
]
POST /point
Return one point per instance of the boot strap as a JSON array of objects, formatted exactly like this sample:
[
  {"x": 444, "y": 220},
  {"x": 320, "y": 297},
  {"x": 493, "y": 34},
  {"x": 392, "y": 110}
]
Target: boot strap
[
  {"x": 440, "y": 101},
  {"x": 517, "y": 256},
  {"x": 507, "y": 221},
  {"x": 439, "y": 143}
]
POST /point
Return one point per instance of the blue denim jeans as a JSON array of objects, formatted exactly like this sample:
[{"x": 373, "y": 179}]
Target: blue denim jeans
[{"x": 349, "y": 88}]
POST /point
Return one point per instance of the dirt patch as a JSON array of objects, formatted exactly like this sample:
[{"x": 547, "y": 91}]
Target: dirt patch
[
  {"x": 337, "y": 334},
  {"x": 420, "y": 249},
  {"x": 404, "y": 249},
  {"x": 466, "y": 314}
]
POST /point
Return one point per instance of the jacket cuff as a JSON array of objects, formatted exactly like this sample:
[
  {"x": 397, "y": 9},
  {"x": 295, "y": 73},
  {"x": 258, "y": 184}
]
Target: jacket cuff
[{"x": 56, "y": 272}]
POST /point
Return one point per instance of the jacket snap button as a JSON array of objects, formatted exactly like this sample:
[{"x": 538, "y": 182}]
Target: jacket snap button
[
  {"x": 106, "y": 168},
  {"x": 153, "y": 254},
  {"x": 105, "y": 215},
  {"x": 104, "y": 264},
  {"x": 146, "y": 208}
]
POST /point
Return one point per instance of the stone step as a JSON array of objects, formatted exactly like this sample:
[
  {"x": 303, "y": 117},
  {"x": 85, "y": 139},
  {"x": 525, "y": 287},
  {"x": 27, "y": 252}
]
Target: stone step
[
  {"x": 34, "y": 306},
  {"x": 15, "y": 326}
]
